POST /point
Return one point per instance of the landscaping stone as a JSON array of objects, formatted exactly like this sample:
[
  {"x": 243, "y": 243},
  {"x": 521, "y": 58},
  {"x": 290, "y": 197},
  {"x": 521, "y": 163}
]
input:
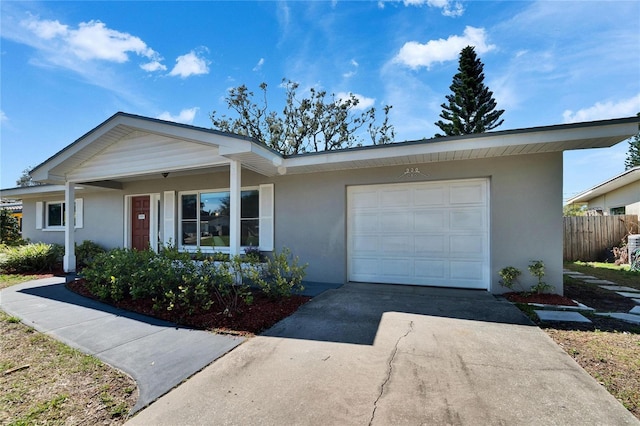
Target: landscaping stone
[
  {"x": 634, "y": 319},
  {"x": 560, "y": 316},
  {"x": 627, "y": 294},
  {"x": 580, "y": 307},
  {"x": 598, "y": 281},
  {"x": 618, "y": 288},
  {"x": 635, "y": 310},
  {"x": 637, "y": 301},
  {"x": 567, "y": 272},
  {"x": 587, "y": 277}
]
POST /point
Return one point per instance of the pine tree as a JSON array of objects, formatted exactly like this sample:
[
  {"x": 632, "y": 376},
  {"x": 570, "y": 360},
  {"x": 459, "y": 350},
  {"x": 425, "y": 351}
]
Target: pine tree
[
  {"x": 471, "y": 107},
  {"x": 633, "y": 155}
]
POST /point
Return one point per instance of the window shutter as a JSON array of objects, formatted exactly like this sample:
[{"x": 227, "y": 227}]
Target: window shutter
[
  {"x": 39, "y": 214},
  {"x": 169, "y": 215},
  {"x": 79, "y": 213},
  {"x": 266, "y": 217}
]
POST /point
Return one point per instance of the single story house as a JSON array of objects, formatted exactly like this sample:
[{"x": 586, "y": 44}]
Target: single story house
[
  {"x": 618, "y": 195},
  {"x": 441, "y": 212}
]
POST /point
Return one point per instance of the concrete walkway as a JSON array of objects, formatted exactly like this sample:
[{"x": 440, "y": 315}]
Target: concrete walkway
[
  {"x": 157, "y": 354},
  {"x": 382, "y": 355}
]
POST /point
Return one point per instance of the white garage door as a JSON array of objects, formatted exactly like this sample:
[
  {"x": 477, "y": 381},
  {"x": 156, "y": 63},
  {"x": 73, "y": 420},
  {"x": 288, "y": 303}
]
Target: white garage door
[{"x": 425, "y": 233}]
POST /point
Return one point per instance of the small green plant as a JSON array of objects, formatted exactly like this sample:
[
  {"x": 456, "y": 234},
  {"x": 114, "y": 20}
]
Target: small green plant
[
  {"x": 536, "y": 267},
  {"x": 509, "y": 276}
]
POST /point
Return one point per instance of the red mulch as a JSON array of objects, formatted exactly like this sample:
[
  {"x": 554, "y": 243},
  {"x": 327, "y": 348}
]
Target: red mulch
[
  {"x": 546, "y": 299},
  {"x": 251, "y": 319}
]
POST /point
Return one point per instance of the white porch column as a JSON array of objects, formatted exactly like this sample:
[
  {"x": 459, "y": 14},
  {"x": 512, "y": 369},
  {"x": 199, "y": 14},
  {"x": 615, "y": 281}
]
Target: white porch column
[
  {"x": 234, "y": 210},
  {"x": 69, "y": 260}
]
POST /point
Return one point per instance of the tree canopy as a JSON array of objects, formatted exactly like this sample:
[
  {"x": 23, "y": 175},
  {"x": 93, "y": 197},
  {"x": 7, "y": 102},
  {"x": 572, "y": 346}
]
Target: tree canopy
[
  {"x": 319, "y": 122},
  {"x": 25, "y": 179},
  {"x": 471, "y": 107},
  {"x": 633, "y": 155}
]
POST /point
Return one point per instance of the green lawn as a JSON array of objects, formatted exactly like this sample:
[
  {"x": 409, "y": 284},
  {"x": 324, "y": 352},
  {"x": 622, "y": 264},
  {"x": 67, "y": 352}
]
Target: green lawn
[
  {"x": 607, "y": 271},
  {"x": 7, "y": 280}
]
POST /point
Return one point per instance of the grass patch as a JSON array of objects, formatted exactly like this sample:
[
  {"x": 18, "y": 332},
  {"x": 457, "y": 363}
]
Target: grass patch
[
  {"x": 612, "y": 358},
  {"x": 7, "y": 280},
  {"x": 607, "y": 271},
  {"x": 55, "y": 384}
]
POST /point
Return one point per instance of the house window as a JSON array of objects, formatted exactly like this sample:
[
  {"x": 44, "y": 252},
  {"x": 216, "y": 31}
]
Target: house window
[
  {"x": 617, "y": 211},
  {"x": 204, "y": 219},
  {"x": 51, "y": 215},
  {"x": 55, "y": 215}
]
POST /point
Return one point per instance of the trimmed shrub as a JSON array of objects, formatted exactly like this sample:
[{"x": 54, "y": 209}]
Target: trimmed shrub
[
  {"x": 86, "y": 252},
  {"x": 280, "y": 276},
  {"x": 31, "y": 258}
]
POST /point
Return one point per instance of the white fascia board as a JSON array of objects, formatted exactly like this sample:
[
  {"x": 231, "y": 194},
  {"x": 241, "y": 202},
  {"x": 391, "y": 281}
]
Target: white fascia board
[
  {"x": 623, "y": 179},
  {"x": 560, "y": 138},
  {"x": 34, "y": 191}
]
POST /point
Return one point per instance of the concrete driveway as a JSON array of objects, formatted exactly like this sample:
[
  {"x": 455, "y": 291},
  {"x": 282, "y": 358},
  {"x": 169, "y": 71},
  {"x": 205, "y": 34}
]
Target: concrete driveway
[{"x": 382, "y": 355}]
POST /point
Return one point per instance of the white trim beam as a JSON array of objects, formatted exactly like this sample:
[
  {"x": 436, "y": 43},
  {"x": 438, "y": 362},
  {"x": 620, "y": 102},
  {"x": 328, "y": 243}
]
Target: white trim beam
[
  {"x": 69, "y": 260},
  {"x": 235, "y": 185}
]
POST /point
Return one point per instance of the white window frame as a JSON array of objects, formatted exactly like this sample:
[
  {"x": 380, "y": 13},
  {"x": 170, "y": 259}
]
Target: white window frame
[
  {"x": 42, "y": 210},
  {"x": 209, "y": 249}
]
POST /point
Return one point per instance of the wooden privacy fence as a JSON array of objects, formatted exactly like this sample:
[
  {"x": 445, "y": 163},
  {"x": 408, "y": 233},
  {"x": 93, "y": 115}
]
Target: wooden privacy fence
[{"x": 588, "y": 237}]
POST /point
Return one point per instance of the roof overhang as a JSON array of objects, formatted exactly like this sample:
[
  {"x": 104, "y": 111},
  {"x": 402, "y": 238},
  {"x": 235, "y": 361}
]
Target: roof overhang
[
  {"x": 37, "y": 191},
  {"x": 623, "y": 179},
  {"x": 597, "y": 134},
  {"x": 209, "y": 148},
  {"x": 94, "y": 159}
]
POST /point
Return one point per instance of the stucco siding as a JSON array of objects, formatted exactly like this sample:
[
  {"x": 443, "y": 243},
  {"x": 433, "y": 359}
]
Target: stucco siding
[
  {"x": 310, "y": 210},
  {"x": 526, "y": 200},
  {"x": 627, "y": 196}
]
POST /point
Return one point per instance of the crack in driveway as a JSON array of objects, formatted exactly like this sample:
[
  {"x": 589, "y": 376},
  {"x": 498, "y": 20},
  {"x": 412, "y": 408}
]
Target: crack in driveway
[{"x": 389, "y": 371}]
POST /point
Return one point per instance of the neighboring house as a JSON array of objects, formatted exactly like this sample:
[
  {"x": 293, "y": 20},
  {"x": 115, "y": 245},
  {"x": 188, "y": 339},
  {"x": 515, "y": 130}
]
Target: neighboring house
[
  {"x": 442, "y": 212},
  {"x": 15, "y": 207},
  {"x": 618, "y": 195}
]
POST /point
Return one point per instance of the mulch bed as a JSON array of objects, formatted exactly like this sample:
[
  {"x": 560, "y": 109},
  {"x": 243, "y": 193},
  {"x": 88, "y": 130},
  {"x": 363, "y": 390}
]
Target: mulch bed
[
  {"x": 251, "y": 319},
  {"x": 546, "y": 299}
]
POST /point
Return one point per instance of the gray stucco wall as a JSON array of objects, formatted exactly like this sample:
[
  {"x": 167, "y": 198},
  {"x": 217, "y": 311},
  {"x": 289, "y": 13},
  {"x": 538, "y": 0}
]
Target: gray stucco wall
[
  {"x": 628, "y": 196},
  {"x": 310, "y": 211},
  {"x": 526, "y": 212}
]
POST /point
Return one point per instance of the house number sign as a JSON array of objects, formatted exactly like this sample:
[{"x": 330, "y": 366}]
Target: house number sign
[
  {"x": 411, "y": 172},
  {"x": 141, "y": 216}
]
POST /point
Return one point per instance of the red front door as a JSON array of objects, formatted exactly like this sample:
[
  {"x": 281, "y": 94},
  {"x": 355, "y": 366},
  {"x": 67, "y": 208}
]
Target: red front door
[{"x": 140, "y": 222}]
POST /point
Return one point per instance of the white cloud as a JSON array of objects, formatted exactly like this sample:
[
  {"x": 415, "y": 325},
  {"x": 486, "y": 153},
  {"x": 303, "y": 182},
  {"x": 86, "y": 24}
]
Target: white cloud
[
  {"x": 363, "y": 102},
  {"x": 190, "y": 64},
  {"x": 153, "y": 66},
  {"x": 3, "y": 117},
  {"x": 91, "y": 40},
  {"x": 354, "y": 71},
  {"x": 449, "y": 8},
  {"x": 604, "y": 110},
  {"x": 186, "y": 116},
  {"x": 259, "y": 65},
  {"x": 415, "y": 55}
]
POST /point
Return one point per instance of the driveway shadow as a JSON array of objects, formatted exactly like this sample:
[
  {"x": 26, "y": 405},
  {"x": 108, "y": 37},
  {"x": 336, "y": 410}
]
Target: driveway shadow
[{"x": 352, "y": 313}]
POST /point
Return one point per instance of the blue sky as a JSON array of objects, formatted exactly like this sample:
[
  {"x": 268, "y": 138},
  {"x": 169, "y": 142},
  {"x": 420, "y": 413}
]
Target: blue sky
[{"x": 67, "y": 66}]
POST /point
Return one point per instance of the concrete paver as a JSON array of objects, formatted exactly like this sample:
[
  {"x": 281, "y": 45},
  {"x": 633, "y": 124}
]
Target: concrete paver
[
  {"x": 629, "y": 294},
  {"x": 635, "y": 310},
  {"x": 547, "y": 316},
  {"x": 384, "y": 355},
  {"x": 597, "y": 281},
  {"x": 632, "y": 318},
  {"x": 158, "y": 355},
  {"x": 618, "y": 288}
]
